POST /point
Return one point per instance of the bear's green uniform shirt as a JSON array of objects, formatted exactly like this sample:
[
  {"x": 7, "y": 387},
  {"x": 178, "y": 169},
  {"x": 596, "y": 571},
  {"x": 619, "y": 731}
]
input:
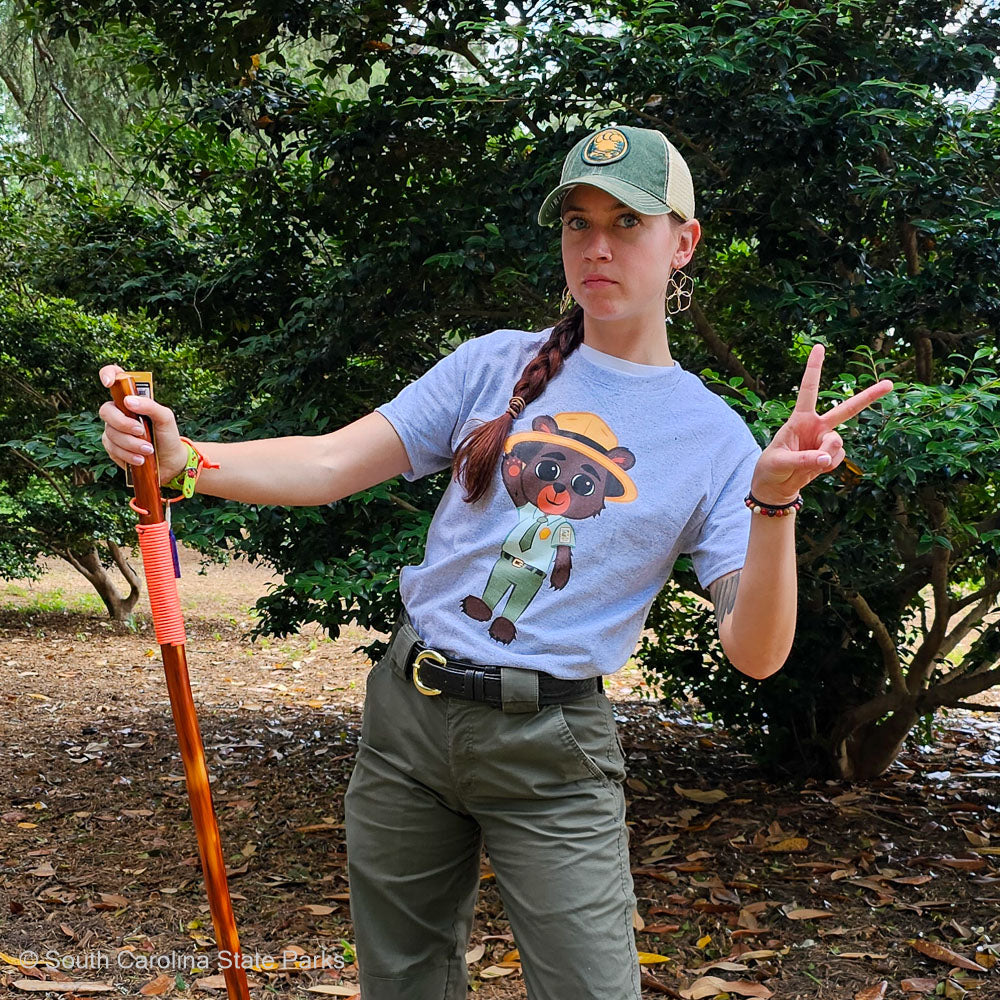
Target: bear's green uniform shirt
[
  {"x": 527, "y": 541},
  {"x": 621, "y": 468}
]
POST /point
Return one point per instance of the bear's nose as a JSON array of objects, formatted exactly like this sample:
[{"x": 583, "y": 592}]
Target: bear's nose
[{"x": 558, "y": 488}]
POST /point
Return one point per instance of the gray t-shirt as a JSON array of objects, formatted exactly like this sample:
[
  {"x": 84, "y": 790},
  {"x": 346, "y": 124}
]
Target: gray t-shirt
[{"x": 615, "y": 470}]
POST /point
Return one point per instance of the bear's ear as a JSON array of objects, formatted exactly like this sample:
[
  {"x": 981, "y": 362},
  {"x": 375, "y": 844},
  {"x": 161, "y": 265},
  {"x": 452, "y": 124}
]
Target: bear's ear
[
  {"x": 544, "y": 423},
  {"x": 622, "y": 457}
]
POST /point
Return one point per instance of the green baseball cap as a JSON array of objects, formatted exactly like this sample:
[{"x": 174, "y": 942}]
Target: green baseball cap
[{"x": 638, "y": 166}]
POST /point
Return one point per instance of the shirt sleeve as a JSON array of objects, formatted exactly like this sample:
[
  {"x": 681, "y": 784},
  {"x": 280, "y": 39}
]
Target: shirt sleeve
[
  {"x": 721, "y": 544},
  {"x": 425, "y": 414}
]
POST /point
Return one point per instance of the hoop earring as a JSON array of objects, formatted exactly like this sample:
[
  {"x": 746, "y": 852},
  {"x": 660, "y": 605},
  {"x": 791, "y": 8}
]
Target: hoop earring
[
  {"x": 679, "y": 292},
  {"x": 566, "y": 302}
]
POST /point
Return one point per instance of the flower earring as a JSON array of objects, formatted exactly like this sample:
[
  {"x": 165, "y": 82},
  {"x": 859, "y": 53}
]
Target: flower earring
[
  {"x": 679, "y": 292},
  {"x": 566, "y": 302}
]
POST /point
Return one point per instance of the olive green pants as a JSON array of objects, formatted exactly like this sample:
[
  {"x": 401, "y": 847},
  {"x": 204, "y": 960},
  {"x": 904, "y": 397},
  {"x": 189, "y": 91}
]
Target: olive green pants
[{"x": 434, "y": 778}]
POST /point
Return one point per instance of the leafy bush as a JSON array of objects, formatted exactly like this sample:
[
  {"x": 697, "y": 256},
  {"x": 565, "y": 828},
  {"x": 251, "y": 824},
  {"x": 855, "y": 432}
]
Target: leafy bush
[{"x": 330, "y": 230}]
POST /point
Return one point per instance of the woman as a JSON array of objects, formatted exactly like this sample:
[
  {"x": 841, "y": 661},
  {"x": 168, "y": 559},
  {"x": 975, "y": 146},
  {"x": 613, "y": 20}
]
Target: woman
[{"x": 486, "y": 718}]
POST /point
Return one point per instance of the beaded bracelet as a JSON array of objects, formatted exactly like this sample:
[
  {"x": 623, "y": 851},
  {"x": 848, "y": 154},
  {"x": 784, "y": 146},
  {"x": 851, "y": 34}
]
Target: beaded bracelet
[{"x": 773, "y": 510}]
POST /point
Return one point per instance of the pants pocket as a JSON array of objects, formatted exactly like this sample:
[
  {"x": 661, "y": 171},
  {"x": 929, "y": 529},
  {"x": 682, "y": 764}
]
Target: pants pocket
[
  {"x": 590, "y": 731},
  {"x": 370, "y": 706}
]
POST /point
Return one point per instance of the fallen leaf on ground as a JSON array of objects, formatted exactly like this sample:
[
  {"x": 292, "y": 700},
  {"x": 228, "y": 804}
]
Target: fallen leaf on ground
[
  {"x": 33, "y": 986},
  {"x": 110, "y": 901},
  {"x": 918, "y": 985},
  {"x": 941, "y": 954},
  {"x": 789, "y": 845},
  {"x": 493, "y": 971},
  {"x": 808, "y": 914},
  {"x": 876, "y": 992},
  {"x": 701, "y": 795},
  {"x": 725, "y": 966},
  {"x": 18, "y": 963},
  {"x": 649, "y": 958},
  {"x": 157, "y": 987},
  {"x": 711, "y": 986},
  {"x": 218, "y": 982}
]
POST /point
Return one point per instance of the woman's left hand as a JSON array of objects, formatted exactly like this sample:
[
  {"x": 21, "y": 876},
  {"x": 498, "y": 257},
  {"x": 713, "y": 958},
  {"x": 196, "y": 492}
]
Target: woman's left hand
[{"x": 807, "y": 445}]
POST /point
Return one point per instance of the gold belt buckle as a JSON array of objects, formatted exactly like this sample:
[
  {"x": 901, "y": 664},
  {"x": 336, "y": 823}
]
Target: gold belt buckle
[
  {"x": 435, "y": 657},
  {"x": 519, "y": 563}
]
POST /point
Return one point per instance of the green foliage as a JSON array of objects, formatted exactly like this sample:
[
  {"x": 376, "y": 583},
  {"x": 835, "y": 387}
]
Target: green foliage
[
  {"x": 60, "y": 493},
  {"x": 66, "y": 97},
  {"x": 325, "y": 235},
  {"x": 931, "y": 484}
]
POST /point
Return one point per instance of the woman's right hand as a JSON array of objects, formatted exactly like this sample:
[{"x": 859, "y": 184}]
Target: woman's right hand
[{"x": 124, "y": 436}]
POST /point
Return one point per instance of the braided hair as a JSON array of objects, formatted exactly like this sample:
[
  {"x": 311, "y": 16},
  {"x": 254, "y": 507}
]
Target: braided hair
[{"x": 475, "y": 460}]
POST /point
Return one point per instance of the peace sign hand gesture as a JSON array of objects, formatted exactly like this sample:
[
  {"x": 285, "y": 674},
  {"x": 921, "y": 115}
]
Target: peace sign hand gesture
[{"x": 807, "y": 445}]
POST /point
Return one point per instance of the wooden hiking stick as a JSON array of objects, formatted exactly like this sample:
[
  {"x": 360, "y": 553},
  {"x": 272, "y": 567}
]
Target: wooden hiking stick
[{"x": 158, "y": 563}]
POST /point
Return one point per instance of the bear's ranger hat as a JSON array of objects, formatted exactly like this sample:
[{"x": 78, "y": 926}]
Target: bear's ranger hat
[
  {"x": 638, "y": 166},
  {"x": 589, "y": 435}
]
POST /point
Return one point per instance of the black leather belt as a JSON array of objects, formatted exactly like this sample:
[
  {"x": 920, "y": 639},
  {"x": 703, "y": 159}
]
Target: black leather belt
[{"x": 432, "y": 673}]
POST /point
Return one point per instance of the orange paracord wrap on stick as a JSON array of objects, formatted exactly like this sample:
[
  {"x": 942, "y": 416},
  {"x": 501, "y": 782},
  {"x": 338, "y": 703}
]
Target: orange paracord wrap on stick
[{"x": 164, "y": 601}]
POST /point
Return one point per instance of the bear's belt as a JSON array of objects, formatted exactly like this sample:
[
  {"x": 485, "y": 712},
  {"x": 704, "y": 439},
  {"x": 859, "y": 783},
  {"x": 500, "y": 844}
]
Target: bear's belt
[{"x": 521, "y": 564}]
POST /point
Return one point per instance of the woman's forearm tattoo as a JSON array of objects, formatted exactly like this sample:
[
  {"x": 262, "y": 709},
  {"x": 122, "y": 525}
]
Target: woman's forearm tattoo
[{"x": 723, "y": 594}]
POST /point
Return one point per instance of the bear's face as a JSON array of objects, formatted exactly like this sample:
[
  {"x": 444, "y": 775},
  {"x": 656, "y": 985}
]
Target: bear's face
[{"x": 559, "y": 479}]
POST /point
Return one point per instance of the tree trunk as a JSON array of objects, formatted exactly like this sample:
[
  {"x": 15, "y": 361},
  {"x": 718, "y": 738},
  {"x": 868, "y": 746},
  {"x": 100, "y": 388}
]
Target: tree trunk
[
  {"x": 871, "y": 748},
  {"x": 89, "y": 565},
  {"x": 866, "y": 736},
  {"x": 864, "y": 743}
]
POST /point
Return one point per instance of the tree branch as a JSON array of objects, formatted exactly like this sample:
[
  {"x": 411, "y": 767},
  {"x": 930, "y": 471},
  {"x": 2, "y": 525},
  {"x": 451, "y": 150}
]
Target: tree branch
[
  {"x": 405, "y": 504},
  {"x": 908, "y": 238},
  {"x": 922, "y": 665},
  {"x": 906, "y": 539},
  {"x": 14, "y": 88},
  {"x": 890, "y": 655},
  {"x": 966, "y": 625},
  {"x": 75, "y": 563},
  {"x": 126, "y": 570},
  {"x": 959, "y": 688},
  {"x": 48, "y": 60},
  {"x": 820, "y": 548},
  {"x": 31, "y": 391},
  {"x": 990, "y": 589},
  {"x": 860, "y": 715},
  {"x": 460, "y": 47},
  {"x": 45, "y": 473},
  {"x": 721, "y": 349}
]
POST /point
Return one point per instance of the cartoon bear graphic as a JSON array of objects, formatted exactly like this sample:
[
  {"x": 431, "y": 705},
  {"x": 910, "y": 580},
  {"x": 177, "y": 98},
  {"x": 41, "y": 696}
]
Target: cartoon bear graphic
[{"x": 562, "y": 470}]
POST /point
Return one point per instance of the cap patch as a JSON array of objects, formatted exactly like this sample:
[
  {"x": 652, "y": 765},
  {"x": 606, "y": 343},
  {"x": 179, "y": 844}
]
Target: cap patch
[{"x": 608, "y": 146}]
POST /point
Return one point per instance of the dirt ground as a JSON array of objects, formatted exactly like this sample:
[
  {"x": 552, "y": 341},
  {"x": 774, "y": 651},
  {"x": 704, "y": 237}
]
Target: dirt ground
[{"x": 887, "y": 888}]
